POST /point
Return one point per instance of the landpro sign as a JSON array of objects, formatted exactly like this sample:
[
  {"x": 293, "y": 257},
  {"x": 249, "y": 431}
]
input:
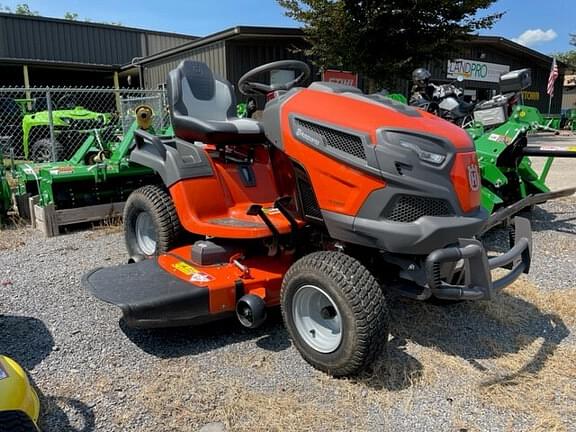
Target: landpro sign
[{"x": 476, "y": 70}]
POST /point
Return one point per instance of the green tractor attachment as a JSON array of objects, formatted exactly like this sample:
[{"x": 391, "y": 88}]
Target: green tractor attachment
[
  {"x": 500, "y": 131},
  {"x": 5, "y": 192},
  {"x": 99, "y": 176},
  {"x": 508, "y": 177},
  {"x": 70, "y": 123}
]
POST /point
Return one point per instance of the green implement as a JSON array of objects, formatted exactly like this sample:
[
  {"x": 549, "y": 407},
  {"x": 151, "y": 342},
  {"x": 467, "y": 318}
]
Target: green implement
[
  {"x": 5, "y": 193},
  {"x": 506, "y": 169},
  {"x": 99, "y": 172}
]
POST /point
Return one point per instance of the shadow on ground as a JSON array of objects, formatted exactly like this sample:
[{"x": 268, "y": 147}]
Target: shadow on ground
[
  {"x": 28, "y": 341},
  {"x": 60, "y": 414},
  {"x": 186, "y": 341},
  {"x": 472, "y": 331}
]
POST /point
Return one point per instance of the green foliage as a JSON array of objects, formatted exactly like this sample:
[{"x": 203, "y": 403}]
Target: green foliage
[
  {"x": 24, "y": 9},
  {"x": 20, "y": 9},
  {"x": 386, "y": 39},
  {"x": 568, "y": 57},
  {"x": 72, "y": 16}
]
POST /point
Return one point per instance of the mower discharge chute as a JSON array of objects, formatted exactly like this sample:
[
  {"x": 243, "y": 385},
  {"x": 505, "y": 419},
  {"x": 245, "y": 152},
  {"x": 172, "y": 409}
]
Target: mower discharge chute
[{"x": 332, "y": 199}]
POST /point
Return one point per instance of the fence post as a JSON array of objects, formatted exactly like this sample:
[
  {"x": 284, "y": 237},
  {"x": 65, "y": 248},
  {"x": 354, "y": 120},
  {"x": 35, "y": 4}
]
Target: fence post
[
  {"x": 117, "y": 93},
  {"x": 51, "y": 125},
  {"x": 27, "y": 87}
]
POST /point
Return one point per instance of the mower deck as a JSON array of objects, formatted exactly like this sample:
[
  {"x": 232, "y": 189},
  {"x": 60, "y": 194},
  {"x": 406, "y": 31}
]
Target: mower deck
[
  {"x": 173, "y": 290},
  {"x": 152, "y": 297}
]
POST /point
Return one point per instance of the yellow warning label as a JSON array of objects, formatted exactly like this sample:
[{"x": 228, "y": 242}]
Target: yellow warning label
[
  {"x": 270, "y": 210},
  {"x": 185, "y": 268},
  {"x": 195, "y": 274}
]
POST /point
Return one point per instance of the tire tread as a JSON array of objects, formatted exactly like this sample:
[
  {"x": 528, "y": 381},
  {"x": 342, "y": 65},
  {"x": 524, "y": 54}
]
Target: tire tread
[{"x": 365, "y": 297}]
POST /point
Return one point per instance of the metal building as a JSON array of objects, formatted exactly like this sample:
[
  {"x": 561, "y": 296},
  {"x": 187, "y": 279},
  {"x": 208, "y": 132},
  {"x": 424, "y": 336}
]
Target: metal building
[
  {"x": 481, "y": 60},
  {"x": 230, "y": 53},
  {"x": 484, "y": 58},
  {"x": 38, "y": 51}
]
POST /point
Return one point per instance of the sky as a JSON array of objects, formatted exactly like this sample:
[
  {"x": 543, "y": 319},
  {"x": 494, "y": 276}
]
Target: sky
[{"x": 541, "y": 25}]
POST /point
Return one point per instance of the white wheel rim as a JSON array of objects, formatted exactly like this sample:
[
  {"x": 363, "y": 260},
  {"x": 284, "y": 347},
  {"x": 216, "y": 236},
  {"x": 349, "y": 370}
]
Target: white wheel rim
[
  {"x": 317, "y": 319},
  {"x": 145, "y": 233}
]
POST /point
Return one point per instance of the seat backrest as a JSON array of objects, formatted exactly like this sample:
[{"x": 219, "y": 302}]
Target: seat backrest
[{"x": 194, "y": 91}]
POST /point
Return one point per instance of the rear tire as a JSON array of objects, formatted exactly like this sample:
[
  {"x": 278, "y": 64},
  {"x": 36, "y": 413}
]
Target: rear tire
[
  {"x": 335, "y": 312},
  {"x": 151, "y": 224},
  {"x": 43, "y": 151}
]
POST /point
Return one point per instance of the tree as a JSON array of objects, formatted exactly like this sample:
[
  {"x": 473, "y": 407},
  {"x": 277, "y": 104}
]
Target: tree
[
  {"x": 386, "y": 39},
  {"x": 72, "y": 16},
  {"x": 21, "y": 9},
  {"x": 24, "y": 9}
]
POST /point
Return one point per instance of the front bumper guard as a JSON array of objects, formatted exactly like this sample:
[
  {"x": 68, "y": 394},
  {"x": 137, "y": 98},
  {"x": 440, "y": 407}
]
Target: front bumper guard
[{"x": 478, "y": 283}]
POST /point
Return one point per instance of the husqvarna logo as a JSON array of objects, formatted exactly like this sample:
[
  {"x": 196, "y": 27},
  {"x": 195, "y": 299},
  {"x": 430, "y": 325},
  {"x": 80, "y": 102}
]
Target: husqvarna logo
[
  {"x": 300, "y": 133},
  {"x": 473, "y": 177}
]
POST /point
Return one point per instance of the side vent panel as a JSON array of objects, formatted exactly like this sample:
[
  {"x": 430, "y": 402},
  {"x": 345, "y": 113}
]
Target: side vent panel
[{"x": 342, "y": 141}]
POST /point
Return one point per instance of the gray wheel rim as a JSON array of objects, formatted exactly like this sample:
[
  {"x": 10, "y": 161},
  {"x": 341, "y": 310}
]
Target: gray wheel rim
[
  {"x": 44, "y": 154},
  {"x": 317, "y": 319},
  {"x": 145, "y": 233}
]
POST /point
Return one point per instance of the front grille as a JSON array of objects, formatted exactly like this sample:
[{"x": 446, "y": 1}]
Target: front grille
[
  {"x": 308, "y": 201},
  {"x": 408, "y": 208},
  {"x": 345, "y": 142}
]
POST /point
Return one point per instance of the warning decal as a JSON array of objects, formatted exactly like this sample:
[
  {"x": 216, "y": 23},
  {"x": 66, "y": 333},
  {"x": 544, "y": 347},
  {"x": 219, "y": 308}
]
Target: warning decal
[{"x": 195, "y": 274}]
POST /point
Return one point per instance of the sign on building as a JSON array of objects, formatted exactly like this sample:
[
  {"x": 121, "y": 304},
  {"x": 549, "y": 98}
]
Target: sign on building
[
  {"x": 340, "y": 77},
  {"x": 476, "y": 70}
]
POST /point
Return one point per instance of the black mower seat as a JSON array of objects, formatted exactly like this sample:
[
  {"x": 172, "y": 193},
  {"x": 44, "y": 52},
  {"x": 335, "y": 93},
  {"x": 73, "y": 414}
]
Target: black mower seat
[{"x": 203, "y": 108}]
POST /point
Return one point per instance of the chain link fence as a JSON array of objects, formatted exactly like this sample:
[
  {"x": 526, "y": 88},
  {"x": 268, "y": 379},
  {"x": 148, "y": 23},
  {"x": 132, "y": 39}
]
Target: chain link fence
[{"x": 51, "y": 124}]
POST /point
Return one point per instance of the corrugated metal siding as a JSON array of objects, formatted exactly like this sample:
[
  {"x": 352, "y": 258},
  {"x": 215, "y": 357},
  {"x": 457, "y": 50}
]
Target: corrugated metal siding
[
  {"x": 154, "y": 43},
  {"x": 569, "y": 99},
  {"x": 56, "y": 40},
  {"x": 243, "y": 56},
  {"x": 214, "y": 55}
]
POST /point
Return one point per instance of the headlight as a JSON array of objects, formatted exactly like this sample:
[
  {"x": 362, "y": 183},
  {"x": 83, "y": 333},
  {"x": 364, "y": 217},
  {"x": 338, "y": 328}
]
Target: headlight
[{"x": 425, "y": 155}]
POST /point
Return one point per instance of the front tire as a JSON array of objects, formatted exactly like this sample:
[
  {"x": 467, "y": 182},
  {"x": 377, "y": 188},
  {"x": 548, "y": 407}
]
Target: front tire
[
  {"x": 151, "y": 224},
  {"x": 335, "y": 312}
]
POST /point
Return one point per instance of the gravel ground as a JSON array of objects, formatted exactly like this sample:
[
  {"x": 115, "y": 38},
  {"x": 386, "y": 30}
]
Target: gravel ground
[{"x": 505, "y": 365}]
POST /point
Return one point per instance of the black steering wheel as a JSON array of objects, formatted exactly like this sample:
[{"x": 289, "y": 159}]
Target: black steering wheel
[{"x": 251, "y": 88}]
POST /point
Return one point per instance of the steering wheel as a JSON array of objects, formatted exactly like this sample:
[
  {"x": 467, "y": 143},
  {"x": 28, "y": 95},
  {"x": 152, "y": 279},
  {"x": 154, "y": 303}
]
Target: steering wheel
[{"x": 251, "y": 88}]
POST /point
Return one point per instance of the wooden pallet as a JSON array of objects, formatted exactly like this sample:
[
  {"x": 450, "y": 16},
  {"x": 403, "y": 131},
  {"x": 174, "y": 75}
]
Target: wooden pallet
[{"x": 49, "y": 220}]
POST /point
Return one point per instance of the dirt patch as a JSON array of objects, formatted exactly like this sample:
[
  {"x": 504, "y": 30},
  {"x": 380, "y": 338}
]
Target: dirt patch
[{"x": 11, "y": 238}]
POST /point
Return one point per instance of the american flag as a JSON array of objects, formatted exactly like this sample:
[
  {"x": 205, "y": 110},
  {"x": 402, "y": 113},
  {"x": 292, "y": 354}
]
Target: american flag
[{"x": 552, "y": 78}]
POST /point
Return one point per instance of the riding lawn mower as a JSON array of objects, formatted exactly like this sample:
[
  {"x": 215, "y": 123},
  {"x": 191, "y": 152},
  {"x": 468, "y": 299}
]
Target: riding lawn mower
[{"x": 331, "y": 201}]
